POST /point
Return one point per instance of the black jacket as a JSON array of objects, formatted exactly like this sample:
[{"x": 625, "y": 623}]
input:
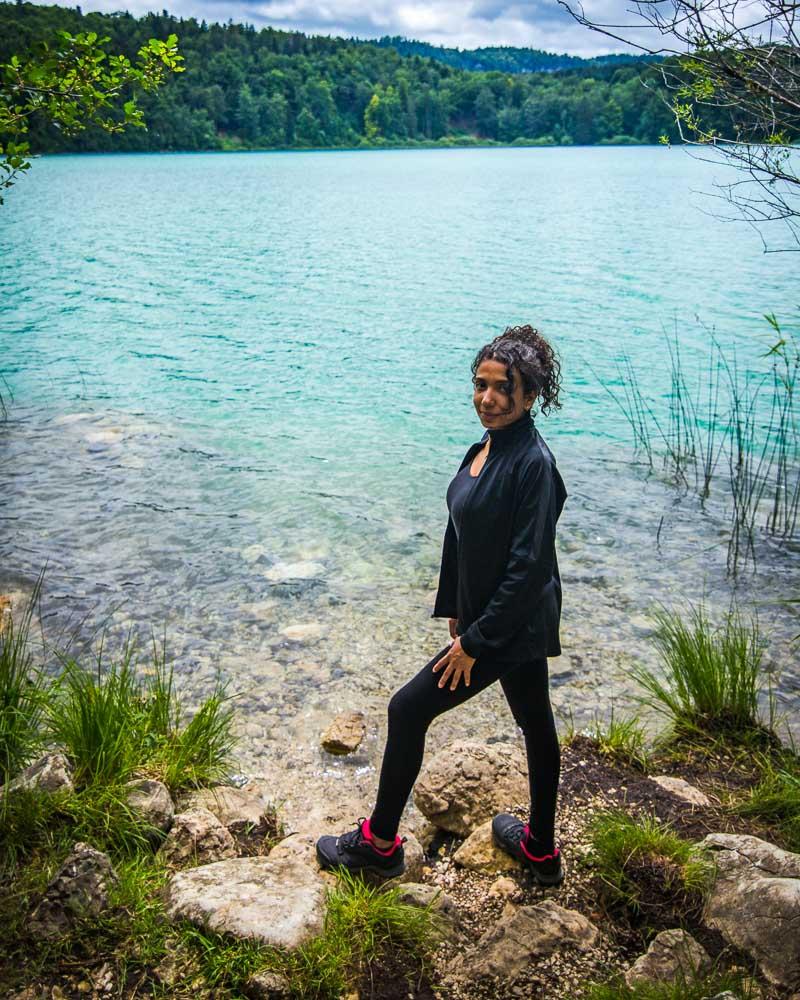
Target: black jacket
[{"x": 500, "y": 577}]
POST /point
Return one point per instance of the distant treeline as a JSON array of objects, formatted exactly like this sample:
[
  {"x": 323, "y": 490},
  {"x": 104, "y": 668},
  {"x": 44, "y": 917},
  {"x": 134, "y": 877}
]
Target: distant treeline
[
  {"x": 269, "y": 88},
  {"x": 503, "y": 58}
]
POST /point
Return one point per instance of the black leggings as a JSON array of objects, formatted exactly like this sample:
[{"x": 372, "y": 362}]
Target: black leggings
[{"x": 417, "y": 704}]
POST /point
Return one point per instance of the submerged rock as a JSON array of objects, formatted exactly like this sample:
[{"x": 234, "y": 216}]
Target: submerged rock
[
  {"x": 278, "y": 902},
  {"x": 755, "y": 903},
  {"x": 5, "y": 612},
  {"x": 305, "y": 569},
  {"x": 345, "y": 733},
  {"x": 671, "y": 954},
  {"x": 303, "y": 631},
  {"x": 467, "y": 783},
  {"x": 79, "y": 889}
]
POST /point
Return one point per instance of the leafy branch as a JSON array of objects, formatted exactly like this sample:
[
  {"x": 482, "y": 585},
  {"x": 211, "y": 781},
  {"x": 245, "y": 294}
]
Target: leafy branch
[{"x": 74, "y": 83}]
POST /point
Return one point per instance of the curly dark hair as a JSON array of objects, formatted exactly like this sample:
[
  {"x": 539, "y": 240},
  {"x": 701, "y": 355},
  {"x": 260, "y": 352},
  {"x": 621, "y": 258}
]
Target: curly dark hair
[{"x": 524, "y": 348}]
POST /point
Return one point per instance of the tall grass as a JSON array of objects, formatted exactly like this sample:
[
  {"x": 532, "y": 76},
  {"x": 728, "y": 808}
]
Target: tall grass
[
  {"x": 116, "y": 720},
  {"x": 712, "y": 676},
  {"x": 23, "y": 692},
  {"x": 750, "y": 418},
  {"x": 98, "y": 718}
]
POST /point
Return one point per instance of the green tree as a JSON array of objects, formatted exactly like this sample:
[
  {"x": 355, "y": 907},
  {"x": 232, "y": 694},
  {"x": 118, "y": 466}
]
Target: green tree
[
  {"x": 486, "y": 113},
  {"x": 372, "y": 128},
  {"x": 71, "y": 83},
  {"x": 274, "y": 115},
  {"x": 307, "y": 129}
]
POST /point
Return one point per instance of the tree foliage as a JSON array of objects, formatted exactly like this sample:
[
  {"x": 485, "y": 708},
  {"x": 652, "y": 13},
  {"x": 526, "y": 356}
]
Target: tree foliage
[
  {"x": 72, "y": 83},
  {"x": 264, "y": 89}
]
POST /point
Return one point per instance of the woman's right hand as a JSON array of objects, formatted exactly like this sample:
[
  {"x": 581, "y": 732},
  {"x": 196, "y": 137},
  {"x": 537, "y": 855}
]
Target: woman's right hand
[{"x": 451, "y": 624}]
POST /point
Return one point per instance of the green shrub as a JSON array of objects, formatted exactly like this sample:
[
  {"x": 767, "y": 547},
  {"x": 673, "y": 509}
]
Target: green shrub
[
  {"x": 36, "y": 822},
  {"x": 621, "y": 845},
  {"x": 23, "y": 693},
  {"x": 712, "y": 676}
]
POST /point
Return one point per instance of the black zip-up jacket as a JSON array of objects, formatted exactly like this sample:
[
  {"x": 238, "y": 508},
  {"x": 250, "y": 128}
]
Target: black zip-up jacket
[{"x": 500, "y": 576}]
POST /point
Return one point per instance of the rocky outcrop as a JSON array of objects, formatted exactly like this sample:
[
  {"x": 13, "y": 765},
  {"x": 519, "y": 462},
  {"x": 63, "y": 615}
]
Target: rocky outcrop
[
  {"x": 521, "y": 935},
  {"x": 267, "y": 986},
  {"x": 345, "y": 733},
  {"x": 197, "y": 837},
  {"x": 683, "y": 790},
  {"x": 152, "y": 802},
  {"x": 433, "y": 898},
  {"x": 467, "y": 783},
  {"x": 415, "y": 860},
  {"x": 277, "y": 902},
  {"x": 51, "y": 773},
  {"x": 240, "y": 810},
  {"x": 479, "y": 853},
  {"x": 80, "y": 888},
  {"x": 755, "y": 903},
  {"x": 672, "y": 954}
]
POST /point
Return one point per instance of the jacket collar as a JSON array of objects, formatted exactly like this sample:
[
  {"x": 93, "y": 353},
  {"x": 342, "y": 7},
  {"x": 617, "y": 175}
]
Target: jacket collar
[{"x": 505, "y": 437}]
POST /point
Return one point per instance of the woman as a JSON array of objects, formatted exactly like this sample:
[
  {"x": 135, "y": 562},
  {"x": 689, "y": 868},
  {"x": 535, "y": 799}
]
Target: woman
[{"x": 500, "y": 590}]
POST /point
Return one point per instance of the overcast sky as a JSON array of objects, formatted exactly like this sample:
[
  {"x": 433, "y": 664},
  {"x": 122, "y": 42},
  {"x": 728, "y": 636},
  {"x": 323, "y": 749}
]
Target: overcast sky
[{"x": 538, "y": 24}]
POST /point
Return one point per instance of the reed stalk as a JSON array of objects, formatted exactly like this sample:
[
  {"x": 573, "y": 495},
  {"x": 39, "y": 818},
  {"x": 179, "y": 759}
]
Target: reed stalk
[{"x": 749, "y": 416}]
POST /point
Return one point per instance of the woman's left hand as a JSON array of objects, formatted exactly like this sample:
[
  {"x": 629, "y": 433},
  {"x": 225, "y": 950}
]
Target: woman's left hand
[{"x": 456, "y": 664}]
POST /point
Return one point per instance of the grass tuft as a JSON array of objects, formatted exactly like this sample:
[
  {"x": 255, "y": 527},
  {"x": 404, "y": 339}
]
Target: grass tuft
[
  {"x": 23, "y": 692},
  {"x": 712, "y": 676},
  {"x": 98, "y": 718},
  {"x": 631, "y": 855},
  {"x": 743, "y": 986},
  {"x": 115, "y": 721},
  {"x": 776, "y": 798},
  {"x": 622, "y": 740}
]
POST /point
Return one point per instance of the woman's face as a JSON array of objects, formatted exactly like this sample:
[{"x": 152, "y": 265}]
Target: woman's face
[{"x": 496, "y": 402}]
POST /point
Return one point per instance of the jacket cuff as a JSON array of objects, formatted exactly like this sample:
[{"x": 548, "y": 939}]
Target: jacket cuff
[{"x": 472, "y": 641}]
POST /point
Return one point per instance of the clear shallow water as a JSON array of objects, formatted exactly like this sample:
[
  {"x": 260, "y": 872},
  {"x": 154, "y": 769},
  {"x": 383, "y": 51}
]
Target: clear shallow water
[{"x": 241, "y": 386}]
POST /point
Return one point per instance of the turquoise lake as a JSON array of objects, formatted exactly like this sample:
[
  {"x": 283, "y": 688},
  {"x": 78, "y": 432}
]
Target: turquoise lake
[{"x": 241, "y": 385}]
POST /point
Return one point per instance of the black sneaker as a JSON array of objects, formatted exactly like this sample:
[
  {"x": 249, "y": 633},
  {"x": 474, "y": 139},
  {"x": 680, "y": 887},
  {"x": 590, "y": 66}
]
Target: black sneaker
[
  {"x": 511, "y": 836},
  {"x": 357, "y": 852}
]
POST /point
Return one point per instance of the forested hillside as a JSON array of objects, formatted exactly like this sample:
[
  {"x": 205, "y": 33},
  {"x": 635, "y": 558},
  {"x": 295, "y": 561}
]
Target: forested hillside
[
  {"x": 504, "y": 58},
  {"x": 269, "y": 88}
]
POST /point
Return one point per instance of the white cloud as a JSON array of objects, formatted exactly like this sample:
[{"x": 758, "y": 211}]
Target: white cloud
[{"x": 539, "y": 24}]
